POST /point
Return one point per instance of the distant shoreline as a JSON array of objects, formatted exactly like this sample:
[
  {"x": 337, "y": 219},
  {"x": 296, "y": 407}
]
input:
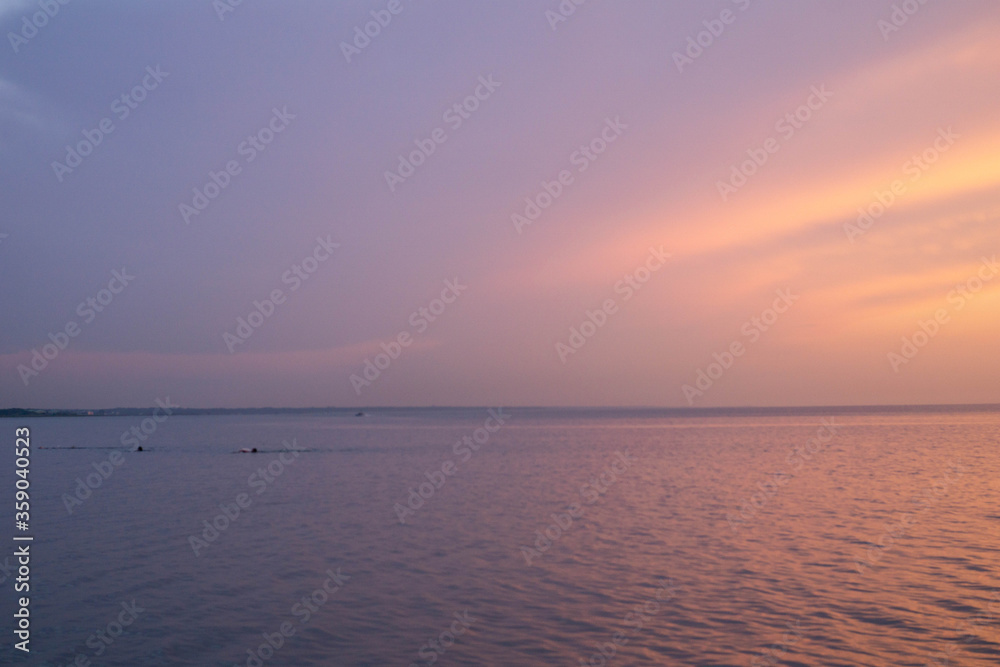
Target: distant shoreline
[
  {"x": 10, "y": 413},
  {"x": 140, "y": 412}
]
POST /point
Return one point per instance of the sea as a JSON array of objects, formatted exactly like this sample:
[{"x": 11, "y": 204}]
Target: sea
[{"x": 509, "y": 536}]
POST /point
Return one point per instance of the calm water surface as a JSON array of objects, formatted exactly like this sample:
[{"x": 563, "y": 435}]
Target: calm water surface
[{"x": 711, "y": 540}]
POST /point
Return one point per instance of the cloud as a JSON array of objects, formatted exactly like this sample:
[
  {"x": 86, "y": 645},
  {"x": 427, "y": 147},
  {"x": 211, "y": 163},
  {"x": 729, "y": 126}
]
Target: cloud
[
  {"x": 18, "y": 106},
  {"x": 22, "y": 112},
  {"x": 14, "y": 8}
]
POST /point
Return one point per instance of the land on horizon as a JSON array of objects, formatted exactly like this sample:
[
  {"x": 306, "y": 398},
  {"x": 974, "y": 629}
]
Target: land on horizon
[{"x": 9, "y": 413}]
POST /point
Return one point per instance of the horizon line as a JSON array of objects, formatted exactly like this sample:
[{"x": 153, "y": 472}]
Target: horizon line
[{"x": 874, "y": 406}]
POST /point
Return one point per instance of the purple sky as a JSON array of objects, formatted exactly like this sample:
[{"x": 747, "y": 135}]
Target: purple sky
[{"x": 609, "y": 77}]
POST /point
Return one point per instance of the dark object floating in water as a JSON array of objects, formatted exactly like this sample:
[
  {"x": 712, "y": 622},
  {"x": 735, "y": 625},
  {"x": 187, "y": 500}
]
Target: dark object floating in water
[
  {"x": 248, "y": 451},
  {"x": 359, "y": 414},
  {"x": 139, "y": 449}
]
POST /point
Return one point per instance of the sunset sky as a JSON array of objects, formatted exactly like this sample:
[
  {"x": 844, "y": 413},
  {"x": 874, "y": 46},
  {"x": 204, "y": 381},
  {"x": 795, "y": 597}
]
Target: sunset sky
[{"x": 915, "y": 106}]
